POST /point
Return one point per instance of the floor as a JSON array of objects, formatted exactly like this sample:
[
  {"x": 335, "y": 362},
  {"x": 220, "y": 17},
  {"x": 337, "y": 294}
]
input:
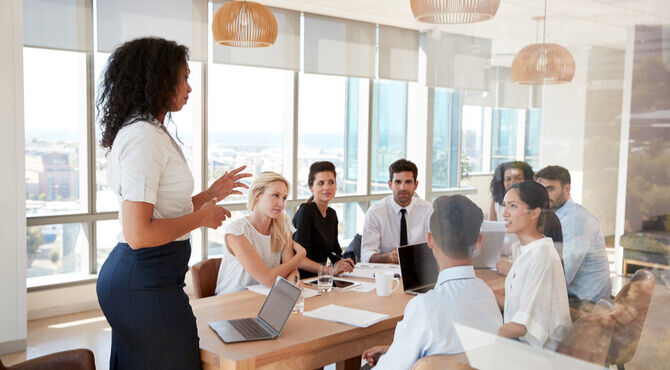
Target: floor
[{"x": 90, "y": 330}]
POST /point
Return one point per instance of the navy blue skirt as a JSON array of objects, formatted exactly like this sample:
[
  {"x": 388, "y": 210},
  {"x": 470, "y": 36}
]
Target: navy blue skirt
[{"x": 141, "y": 293}]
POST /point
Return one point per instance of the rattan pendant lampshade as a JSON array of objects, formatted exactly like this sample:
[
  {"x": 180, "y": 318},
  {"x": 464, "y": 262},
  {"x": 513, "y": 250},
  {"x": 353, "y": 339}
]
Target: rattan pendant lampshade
[
  {"x": 454, "y": 11},
  {"x": 244, "y": 24},
  {"x": 542, "y": 63}
]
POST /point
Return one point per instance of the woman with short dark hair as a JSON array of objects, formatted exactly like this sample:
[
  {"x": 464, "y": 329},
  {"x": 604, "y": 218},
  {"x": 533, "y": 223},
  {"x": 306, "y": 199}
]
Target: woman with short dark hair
[{"x": 141, "y": 284}]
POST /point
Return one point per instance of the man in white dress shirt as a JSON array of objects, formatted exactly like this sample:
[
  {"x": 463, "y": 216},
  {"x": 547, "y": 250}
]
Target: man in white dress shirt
[
  {"x": 458, "y": 297},
  {"x": 399, "y": 219},
  {"x": 584, "y": 256}
]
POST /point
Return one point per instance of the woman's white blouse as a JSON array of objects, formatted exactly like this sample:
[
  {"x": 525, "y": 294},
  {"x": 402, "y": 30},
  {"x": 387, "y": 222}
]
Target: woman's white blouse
[
  {"x": 146, "y": 165},
  {"x": 232, "y": 275},
  {"x": 536, "y": 294}
]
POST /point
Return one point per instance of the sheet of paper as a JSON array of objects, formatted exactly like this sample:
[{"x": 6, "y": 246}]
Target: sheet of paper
[
  {"x": 368, "y": 270},
  {"x": 261, "y": 289},
  {"x": 346, "y": 315},
  {"x": 361, "y": 287}
]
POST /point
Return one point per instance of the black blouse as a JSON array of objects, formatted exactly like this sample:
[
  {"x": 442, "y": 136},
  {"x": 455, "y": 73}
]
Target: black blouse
[{"x": 318, "y": 235}]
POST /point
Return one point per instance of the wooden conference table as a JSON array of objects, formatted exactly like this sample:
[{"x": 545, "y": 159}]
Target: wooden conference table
[{"x": 305, "y": 343}]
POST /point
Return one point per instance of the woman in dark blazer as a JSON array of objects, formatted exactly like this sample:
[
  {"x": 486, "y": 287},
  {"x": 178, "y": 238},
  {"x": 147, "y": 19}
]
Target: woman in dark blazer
[{"x": 316, "y": 224}]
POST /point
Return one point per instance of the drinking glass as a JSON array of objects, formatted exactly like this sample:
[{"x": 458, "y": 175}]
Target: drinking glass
[{"x": 325, "y": 280}]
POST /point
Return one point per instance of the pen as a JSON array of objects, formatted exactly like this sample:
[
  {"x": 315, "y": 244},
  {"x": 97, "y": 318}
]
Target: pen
[{"x": 340, "y": 257}]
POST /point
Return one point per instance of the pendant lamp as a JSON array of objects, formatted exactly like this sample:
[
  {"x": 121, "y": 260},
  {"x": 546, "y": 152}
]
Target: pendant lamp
[
  {"x": 245, "y": 24},
  {"x": 542, "y": 63},
  {"x": 454, "y": 11}
]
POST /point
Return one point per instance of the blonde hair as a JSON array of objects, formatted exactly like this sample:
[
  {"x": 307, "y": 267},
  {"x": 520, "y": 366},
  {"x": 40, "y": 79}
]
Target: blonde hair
[{"x": 279, "y": 231}]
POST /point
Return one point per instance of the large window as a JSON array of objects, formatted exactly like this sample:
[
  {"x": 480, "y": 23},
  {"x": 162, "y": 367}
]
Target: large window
[
  {"x": 446, "y": 132},
  {"x": 55, "y": 130},
  {"x": 474, "y": 122},
  {"x": 504, "y": 131},
  {"x": 532, "y": 147},
  {"x": 389, "y": 129},
  {"x": 330, "y": 108}
]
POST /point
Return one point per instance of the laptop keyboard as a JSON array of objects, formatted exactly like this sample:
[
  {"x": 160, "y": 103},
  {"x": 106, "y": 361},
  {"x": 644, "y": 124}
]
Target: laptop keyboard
[
  {"x": 249, "y": 328},
  {"x": 422, "y": 290}
]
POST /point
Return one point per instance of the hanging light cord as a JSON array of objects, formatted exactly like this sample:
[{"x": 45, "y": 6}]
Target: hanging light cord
[{"x": 544, "y": 29}]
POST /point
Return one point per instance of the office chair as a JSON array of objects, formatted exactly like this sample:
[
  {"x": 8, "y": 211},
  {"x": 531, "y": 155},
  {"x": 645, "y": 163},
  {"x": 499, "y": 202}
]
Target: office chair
[
  {"x": 76, "y": 359},
  {"x": 204, "y": 275}
]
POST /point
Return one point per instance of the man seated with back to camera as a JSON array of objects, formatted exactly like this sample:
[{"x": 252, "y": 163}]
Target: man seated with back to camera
[
  {"x": 458, "y": 297},
  {"x": 399, "y": 219}
]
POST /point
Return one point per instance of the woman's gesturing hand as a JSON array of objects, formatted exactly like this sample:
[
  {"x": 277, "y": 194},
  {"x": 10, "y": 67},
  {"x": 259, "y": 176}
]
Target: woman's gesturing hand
[
  {"x": 213, "y": 215},
  {"x": 226, "y": 184}
]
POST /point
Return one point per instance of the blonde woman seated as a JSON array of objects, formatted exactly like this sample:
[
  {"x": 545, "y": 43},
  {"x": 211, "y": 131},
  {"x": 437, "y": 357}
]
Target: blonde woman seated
[
  {"x": 536, "y": 307},
  {"x": 259, "y": 247}
]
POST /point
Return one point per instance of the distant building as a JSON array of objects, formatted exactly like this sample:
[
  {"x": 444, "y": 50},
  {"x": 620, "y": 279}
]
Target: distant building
[{"x": 51, "y": 174}]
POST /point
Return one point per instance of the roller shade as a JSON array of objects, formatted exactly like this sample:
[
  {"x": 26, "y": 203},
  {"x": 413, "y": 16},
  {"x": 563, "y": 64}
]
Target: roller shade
[
  {"x": 340, "y": 47},
  {"x": 457, "y": 61},
  {"x": 284, "y": 54},
  {"x": 58, "y": 24},
  {"x": 398, "y": 54},
  {"x": 183, "y": 21}
]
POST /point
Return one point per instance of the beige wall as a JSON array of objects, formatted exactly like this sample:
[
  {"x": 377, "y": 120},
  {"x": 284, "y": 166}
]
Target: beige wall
[{"x": 483, "y": 196}]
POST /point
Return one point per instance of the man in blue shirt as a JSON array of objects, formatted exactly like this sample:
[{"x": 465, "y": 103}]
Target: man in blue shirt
[
  {"x": 458, "y": 297},
  {"x": 584, "y": 256}
]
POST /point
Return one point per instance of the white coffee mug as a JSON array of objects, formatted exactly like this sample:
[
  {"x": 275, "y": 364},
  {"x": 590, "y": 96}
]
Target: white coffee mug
[{"x": 384, "y": 283}]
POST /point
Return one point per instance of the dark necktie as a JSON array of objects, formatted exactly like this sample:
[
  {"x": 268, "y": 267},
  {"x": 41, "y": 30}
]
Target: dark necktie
[{"x": 403, "y": 227}]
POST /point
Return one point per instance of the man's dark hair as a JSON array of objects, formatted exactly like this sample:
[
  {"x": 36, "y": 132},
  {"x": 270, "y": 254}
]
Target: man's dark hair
[
  {"x": 402, "y": 165},
  {"x": 455, "y": 225},
  {"x": 554, "y": 173}
]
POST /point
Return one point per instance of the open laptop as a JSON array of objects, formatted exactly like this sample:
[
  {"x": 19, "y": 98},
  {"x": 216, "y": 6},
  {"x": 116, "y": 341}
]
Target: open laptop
[
  {"x": 494, "y": 237},
  {"x": 270, "y": 320},
  {"x": 418, "y": 268}
]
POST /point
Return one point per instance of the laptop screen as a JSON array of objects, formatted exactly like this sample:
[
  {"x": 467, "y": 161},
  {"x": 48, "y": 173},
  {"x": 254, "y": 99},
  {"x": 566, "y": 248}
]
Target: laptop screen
[
  {"x": 278, "y": 304},
  {"x": 417, "y": 266}
]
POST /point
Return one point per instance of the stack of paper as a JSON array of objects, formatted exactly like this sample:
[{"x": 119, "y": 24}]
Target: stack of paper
[
  {"x": 346, "y": 315},
  {"x": 368, "y": 270},
  {"x": 262, "y": 289}
]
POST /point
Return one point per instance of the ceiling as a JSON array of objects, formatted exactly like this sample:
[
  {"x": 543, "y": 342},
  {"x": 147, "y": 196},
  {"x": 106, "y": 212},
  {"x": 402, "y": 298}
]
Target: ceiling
[{"x": 572, "y": 23}]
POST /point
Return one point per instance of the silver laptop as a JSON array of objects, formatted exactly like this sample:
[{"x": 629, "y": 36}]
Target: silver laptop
[
  {"x": 270, "y": 320},
  {"x": 492, "y": 246},
  {"x": 418, "y": 268}
]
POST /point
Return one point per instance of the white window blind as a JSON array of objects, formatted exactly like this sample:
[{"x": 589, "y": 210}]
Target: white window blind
[
  {"x": 457, "y": 61},
  {"x": 398, "y": 54},
  {"x": 58, "y": 24},
  {"x": 511, "y": 94},
  {"x": 340, "y": 47},
  {"x": 183, "y": 21},
  {"x": 284, "y": 54}
]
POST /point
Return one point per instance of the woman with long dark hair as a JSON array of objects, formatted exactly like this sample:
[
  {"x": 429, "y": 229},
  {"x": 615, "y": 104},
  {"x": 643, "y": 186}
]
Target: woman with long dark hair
[
  {"x": 504, "y": 176},
  {"x": 140, "y": 285},
  {"x": 316, "y": 224},
  {"x": 536, "y": 298}
]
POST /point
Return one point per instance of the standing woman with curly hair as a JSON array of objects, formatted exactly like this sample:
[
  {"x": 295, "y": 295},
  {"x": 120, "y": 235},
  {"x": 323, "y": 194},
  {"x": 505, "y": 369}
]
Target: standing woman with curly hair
[{"x": 140, "y": 285}]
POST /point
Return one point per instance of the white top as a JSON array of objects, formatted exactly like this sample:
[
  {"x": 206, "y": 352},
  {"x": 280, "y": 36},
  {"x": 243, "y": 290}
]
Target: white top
[
  {"x": 536, "y": 294},
  {"x": 428, "y": 325},
  {"x": 146, "y": 165},
  {"x": 232, "y": 275},
  {"x": 381, "y": 231},
  {"x": 587, "y": 269}
]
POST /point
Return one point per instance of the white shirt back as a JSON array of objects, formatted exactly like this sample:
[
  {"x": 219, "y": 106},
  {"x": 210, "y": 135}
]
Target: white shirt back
[
  {"x": 428, "y": 324},
  {"x": 536, "y": 294},
  {"x": 145, "y": 165},
  {"x": 381, "y": 231}
]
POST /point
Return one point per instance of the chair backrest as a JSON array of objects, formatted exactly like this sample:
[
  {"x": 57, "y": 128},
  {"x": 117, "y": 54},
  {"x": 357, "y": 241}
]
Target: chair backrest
[
  {"x": 353, "y": 251},
  {"x": 590, "y": 336},
  {"x": 76, "y": 359},
  {"x": 204, "y": 274},
  {"x": 630, "y": 310},
  {"x": 443, "y": 362}
]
